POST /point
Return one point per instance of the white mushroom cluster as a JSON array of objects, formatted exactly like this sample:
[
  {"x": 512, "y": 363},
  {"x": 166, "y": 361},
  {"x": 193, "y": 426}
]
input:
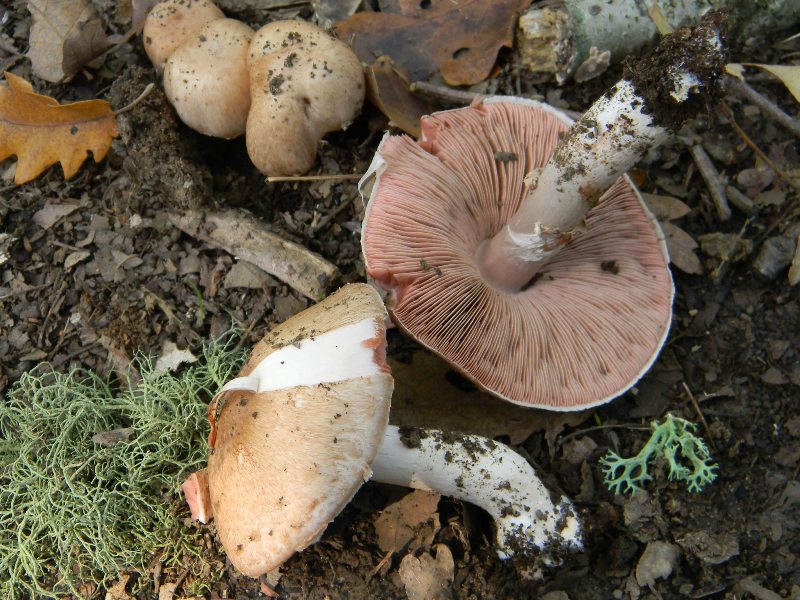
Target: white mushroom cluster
[{"x": 284, "y": 86}]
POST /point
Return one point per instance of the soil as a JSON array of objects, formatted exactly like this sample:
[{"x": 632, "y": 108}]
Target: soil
[{"x": 110, "y": 276}]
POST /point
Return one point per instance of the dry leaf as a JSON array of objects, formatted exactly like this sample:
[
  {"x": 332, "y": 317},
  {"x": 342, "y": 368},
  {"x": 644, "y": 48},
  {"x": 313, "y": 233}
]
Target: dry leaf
[
  {"x": 666, "y": 208},
  {"x": 794, "y": 269},
  {"x": 171, "y": 357},
  {"x": 428, "y": 578},
  {"x": 388, "y": 89},
  {"x": 681, "y": 247},
  {"x": 41, "y": 132},
  {"x": 413, "y": 517},
  {"x": 51, "y": 213},
  {"x": 139, "y": 10},
  {"x": 460, "y": 39},
  {"x": 117, "y": 591},
  {"x": 788, "y": 74},
  {"x": 74, "y": 258},
  {"x": 65, "y": 35}
]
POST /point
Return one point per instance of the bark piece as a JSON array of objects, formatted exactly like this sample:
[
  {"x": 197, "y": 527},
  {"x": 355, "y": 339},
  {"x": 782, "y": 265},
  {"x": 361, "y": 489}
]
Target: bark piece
[{"x": 243, "y": 236}]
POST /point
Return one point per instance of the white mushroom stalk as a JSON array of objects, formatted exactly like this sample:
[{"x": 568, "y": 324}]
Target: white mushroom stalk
[
  {"x": 489, "y": 475},
  {"x": 615, "y": 133}
]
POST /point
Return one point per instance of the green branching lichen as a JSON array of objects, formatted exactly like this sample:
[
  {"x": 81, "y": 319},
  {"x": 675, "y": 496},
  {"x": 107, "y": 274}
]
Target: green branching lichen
[
  {"x": 686, "y": 454},
  {"x": 73, "y": 511}
]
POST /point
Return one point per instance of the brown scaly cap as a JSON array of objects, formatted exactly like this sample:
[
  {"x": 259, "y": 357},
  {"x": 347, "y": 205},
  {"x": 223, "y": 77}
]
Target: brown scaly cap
[
  {"x": 578, "y": 335},
  {"x": 286, "y": 461}
]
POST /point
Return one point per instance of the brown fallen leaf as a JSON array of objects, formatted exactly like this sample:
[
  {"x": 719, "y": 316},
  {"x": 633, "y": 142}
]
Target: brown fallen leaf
[
  {"x": 681, "y": 247},
  {"x": 117, "y": 591},
  {"x": 460, "y": 39},
  {"x": 65, "y": 35},
  {"x": 41, "y": 132},
  {"x": 426, "y": 577},
  {"x": 411, "y": 521},
  {"x": 388, "y": 89},
  {"x": 666, "y": 208}
]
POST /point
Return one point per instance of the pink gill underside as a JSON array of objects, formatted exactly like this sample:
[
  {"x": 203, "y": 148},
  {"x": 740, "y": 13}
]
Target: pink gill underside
[{"x": 589, "y": 324}]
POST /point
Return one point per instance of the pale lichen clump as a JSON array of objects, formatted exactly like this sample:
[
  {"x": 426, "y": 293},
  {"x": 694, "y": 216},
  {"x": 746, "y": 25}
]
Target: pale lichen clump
[
  {"x": 686, "y": 454},
  {"x": 90, "y": 474}
]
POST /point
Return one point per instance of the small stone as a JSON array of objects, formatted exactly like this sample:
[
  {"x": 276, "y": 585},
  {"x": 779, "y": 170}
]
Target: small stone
[
  {"x": 774, "y": 257},
  {"x": 712, "y": 548},
  {"x": 657, "y": 562}
]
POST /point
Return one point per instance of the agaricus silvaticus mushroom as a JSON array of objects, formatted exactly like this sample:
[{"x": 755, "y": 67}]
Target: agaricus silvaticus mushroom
[
  {"x": 206, "y": 80},
  {"x": 171, "y": 22},
  {"x": 480, "y": 233},
  {"x": 304, "y": 83},
  {"x": 305, "y": 424}
]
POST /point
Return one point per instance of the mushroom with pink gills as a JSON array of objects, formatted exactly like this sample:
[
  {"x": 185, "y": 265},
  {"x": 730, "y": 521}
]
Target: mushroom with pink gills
[
  {"x": 511, "y": 243},
  {"x": 305, "y": 424},
  {"x": 284, "y": 86}
]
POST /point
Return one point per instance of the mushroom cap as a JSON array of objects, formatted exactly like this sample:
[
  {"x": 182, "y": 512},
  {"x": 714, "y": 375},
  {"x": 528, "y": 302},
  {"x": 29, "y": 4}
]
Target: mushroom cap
[
  {"x": 583, "y": 331},
  {"x": 171, "y": 22},
  {"x": 287, "y": 459},
  {"x": 206, "y": 79},
  {"x": 304, "y": 83}
]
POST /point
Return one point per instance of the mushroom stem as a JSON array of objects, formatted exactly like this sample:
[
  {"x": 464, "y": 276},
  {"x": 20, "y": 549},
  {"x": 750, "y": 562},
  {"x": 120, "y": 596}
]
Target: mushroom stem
[
  {"x": 488, "y": 474},
  {"x": 657, "y": 94}
]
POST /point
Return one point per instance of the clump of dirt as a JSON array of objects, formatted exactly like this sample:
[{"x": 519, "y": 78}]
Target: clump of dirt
[{"x": 699, "y": 50}]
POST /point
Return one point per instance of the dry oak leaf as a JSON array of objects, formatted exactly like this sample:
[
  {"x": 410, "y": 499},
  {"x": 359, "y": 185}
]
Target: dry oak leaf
[
  {"x": 460, "y": 39},
  {"x": 65, "y": 35},
  {"x": 41, "y": 132}
]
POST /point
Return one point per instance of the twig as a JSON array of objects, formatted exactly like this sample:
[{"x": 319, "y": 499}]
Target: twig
[
  {"x": 241, "y": 235},
  {"x": 149, "y": 88},
  {"x": 741, "y": 200},
  {"x": 728, "y": 113},
  {"x": 700, "y": 415},
  {"x": 326, "y": 220},
  {"x": 562, "y": 440},
  {"x": 765, "y": 104},
  {"x": 444, "y": 94},
  {"x": 383, "y": 561},
  {"x": 25, "y": 291},
  {"x": 344, "y": 177},
  {"x": 715, "y": 184}
]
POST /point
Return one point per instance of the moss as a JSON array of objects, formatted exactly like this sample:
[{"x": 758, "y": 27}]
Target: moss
[{"x": 74, "y": 511}]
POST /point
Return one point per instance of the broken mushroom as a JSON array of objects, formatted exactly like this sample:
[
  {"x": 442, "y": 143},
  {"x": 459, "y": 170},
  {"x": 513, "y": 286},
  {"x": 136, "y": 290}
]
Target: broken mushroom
[
  {"x": 529, "y": 263},
  {"x": 171, "y": 22},
  {"x": 304, "y": 83},
  {"x": 206, "y": 80},
  {"x": 305, "y": 424}
]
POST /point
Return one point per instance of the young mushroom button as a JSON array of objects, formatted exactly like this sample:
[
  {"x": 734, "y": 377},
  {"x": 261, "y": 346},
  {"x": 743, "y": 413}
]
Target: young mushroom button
[
  {"x": 304, "y": 83},
  {"x": 305, "y": 424},
  {"x": 206, "y": 79},
  {"x": 171, "y": 22}
]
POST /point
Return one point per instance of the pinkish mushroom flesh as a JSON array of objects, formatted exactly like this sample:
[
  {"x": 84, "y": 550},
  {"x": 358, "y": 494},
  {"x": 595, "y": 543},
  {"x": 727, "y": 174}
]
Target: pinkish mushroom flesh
[{"x": 582, "y": 331}]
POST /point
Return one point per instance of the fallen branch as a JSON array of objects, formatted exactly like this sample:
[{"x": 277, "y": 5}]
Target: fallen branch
[{"x": 243, "y": 236}]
